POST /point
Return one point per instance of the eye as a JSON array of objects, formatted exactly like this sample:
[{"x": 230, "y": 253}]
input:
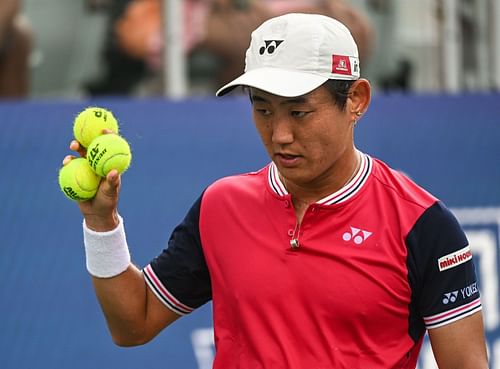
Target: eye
[
  {"x": 262, "y": 111},
  {"x": 299, "y": 113}
]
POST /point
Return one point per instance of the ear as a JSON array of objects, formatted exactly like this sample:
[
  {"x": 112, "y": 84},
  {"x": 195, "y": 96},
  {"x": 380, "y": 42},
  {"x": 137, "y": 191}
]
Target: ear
[{"x": 359, "y": 98}]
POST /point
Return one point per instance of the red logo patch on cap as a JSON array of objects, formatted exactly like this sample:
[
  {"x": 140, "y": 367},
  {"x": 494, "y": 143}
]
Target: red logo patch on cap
[{"x": 341, "y": 64}]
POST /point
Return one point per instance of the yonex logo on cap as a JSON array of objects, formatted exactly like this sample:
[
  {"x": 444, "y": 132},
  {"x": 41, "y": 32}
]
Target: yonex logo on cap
[{"x": 270, "y": 47}]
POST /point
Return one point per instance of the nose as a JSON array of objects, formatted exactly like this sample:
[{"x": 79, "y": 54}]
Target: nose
[{"x": 282, "y": 131}]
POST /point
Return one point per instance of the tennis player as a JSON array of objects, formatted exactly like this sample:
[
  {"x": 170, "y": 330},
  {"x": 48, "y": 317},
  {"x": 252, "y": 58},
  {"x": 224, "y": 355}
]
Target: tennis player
[{"x": 325, "y": 258}]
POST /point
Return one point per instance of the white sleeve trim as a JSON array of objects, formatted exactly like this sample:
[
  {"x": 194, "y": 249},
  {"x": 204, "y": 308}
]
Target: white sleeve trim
[
  {"x": 163, "y": 294},
  {"x": 450, "y": 316}
]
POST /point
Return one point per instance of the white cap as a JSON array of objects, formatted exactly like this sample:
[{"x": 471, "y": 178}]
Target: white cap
[{"x": 293, "y": 54}]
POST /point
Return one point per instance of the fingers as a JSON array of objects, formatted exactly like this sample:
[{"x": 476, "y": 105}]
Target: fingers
[
  {"x": 75, "y": 146},
  {"x": 67, "y": 159}
]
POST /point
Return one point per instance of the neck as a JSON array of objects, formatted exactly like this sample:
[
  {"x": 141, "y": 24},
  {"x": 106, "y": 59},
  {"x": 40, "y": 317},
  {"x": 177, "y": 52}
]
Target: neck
[{"x": 304, "y": 195}]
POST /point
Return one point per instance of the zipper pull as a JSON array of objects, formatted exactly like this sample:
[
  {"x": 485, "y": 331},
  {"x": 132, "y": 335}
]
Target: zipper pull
[{"x": 294, "y": 242}]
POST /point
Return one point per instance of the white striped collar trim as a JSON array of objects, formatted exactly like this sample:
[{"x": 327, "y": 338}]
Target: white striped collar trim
[
  {"x": 275, "y": 182},
  {"x": 345, "y": 193}
]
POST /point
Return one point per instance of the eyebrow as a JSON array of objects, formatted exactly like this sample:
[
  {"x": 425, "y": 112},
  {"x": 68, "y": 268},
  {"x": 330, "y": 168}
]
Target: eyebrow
[{"x": 292, "y": 100}]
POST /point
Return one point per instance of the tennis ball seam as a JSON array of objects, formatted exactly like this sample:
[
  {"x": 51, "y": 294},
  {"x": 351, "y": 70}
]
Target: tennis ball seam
[
  {"x": 82, "y": 127},
  {"x": 83, "y": 188},
  {"x": 105, "y": 162}
]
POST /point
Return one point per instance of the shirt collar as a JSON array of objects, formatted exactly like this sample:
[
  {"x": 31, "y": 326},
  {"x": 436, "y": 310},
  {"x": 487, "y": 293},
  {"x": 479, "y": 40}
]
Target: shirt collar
[{"x": 343, "y": 194}]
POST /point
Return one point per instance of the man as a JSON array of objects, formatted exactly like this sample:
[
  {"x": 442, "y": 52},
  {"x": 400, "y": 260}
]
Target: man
[{"x": 325, "y": 258}]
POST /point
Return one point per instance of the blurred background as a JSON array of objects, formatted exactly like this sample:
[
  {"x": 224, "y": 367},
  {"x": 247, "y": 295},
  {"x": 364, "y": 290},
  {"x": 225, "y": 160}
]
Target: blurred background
[
  {"x": 435, "y": 68},
  {"x": 85, "y": 48}
]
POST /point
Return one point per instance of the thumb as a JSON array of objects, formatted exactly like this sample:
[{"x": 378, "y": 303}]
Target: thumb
[{"x": 111, "y": 185}]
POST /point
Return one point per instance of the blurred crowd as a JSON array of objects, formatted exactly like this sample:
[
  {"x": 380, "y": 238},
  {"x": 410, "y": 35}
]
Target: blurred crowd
[
  {"x": 15, "y": 48},
  {"x": 216, "y": 34}
]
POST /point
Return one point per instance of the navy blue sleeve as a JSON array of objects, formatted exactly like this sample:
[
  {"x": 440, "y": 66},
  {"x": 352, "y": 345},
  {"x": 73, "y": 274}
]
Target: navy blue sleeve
[
  {"x": 441, "y": 270},
  {"x": 179, "y": 276}
]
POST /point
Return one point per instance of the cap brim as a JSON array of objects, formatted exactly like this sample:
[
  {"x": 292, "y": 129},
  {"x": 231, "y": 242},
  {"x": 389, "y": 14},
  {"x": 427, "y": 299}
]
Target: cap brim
[{"x": 276, "y": 81}]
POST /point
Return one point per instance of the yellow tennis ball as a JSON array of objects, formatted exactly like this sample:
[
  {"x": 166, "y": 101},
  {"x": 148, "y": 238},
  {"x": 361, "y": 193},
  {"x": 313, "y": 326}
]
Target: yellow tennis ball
[
  {"x": 90, "y": 122},
  {"x": 78, "y": 181},
  {"x": 107, "y": 152}
]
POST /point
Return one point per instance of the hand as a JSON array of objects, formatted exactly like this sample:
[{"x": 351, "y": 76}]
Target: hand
[{"x": 100, "y": 213}]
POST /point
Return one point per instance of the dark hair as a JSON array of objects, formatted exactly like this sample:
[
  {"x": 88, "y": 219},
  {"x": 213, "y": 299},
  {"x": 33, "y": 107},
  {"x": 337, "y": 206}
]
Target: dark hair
[{"x": 339, "y": 90}]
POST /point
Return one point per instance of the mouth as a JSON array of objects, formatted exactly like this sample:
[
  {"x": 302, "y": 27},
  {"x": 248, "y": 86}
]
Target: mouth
[{"x": 287, "y": 160}]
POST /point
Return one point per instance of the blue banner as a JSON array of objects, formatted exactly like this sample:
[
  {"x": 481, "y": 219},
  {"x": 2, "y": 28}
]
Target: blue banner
[{"x": 50, "y": 316}]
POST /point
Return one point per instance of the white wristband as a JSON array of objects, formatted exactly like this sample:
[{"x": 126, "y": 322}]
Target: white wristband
[{"x": 106, "y": 252}]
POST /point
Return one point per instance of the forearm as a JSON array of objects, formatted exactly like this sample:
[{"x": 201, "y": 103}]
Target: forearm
[
  {"x": 123, "y": 300},
  {"x": 460, "y": 345},
  {"x": 133, "y": 313},
  {"x": 119, "y": 285}
]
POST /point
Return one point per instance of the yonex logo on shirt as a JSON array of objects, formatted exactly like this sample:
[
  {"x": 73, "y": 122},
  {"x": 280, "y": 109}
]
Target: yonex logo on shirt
[
  {"x": 358, "y": 236},
  {"x": 450, "y": 297},
  {"x": 465, "y": 292},
  {"x": 454, "y": 259},
  {"x": 469, "y": 290}
]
